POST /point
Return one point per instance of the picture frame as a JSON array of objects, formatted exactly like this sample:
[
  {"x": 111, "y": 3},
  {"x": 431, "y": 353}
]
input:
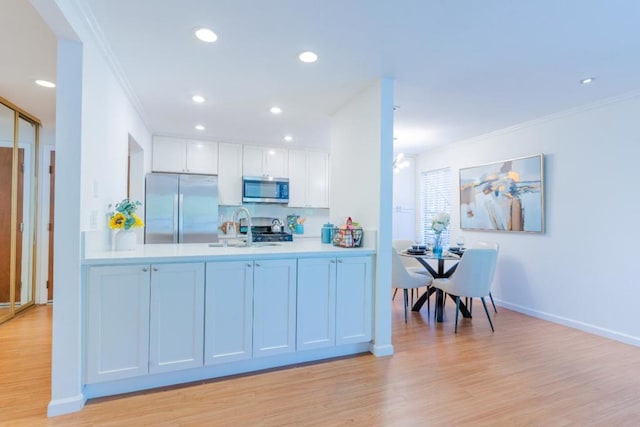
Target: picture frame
[{"x": 503, "y": 196}]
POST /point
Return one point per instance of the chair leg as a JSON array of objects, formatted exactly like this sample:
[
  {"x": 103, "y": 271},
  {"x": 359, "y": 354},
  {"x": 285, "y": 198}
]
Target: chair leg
[
  {"x": 394, "y": 294},
  {"x": 488, "y": 316},
  {"x": 457, "y": 312},
  {"x": 493, "y": 303},
  {"x": 428, "y": 302},
  {"x": 406, "y": 302}
]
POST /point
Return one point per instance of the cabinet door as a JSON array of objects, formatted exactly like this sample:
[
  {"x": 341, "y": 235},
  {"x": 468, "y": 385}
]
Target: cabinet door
[
  {"x": 229, "y": 311},
  {"x": 274, "y": 308},
  {"x": 276, "y": 162},
  {"x": 354, "y": 289},
  {"x": 201, "y": 157},
  {"x": 230, "y": 174},
  {"x": 318, "y": 179},
  {"x": 117, "y": 319},
  {"x": 177, "y": 317},
  {"x": 316, "y": 308},
  {"x": 168, "y": 155},
  {"x": 252, "y": 160},
  {"x": 298, "y": 173}
]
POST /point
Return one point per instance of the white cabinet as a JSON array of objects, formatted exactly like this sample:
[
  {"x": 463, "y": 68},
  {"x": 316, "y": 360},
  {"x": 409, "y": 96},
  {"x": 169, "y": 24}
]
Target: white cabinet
[
  {"x": 143, "y": 319},
  {"x": 274, "y": 307},
  {"x": 264, "y": 161},
  {"x": 354, "y": 290},
  {"x": 117, "y": 319},
  {"x": 177, "y": 317},
  {"x": 404, "y": 226},
  {"x": 334, "y": 301},
  {"x": 316, "y": 308},
  {"x": 308, "y": 179},
  {"x": 230, "y": 174},
  {"x": 184, "y": 156},
  {"x": 229, "y": 311}
]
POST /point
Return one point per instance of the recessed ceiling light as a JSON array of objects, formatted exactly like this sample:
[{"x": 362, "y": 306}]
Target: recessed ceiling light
[
  {"x": 308, "y": 57},
  {"x": 276, "y": 110},
  {"x": 45, "y": 83},
  {"x": 288, "y": 138},
  {"x": 206, "y": 35},
  {"x": 199, "y": 127},
  {"x": 198, "y": 98},
  {"x": 587, "y": 80}
]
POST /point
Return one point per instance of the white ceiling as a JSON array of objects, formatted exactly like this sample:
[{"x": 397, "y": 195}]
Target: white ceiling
[{"x": 462, "y": 68}]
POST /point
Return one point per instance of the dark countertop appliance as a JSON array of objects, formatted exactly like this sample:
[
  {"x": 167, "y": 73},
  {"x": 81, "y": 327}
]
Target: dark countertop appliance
[{"x": 262, "y": 230}]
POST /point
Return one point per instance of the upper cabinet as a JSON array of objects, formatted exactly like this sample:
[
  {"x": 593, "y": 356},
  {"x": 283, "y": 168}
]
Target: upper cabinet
[
  {"x": 230, "y": 174},
  {"x": 264, "y": 161},
  {"x": 308, "y": 179},
  {"x": 184, "y": 156}
]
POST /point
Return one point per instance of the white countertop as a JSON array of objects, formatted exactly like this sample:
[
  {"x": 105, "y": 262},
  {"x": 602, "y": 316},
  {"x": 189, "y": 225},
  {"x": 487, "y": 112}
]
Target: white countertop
[{"x": 301, "y": 248}]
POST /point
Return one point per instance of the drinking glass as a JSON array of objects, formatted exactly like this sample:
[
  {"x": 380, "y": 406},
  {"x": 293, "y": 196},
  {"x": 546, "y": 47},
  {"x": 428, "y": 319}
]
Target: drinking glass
[{"x": 460, "y": 242}]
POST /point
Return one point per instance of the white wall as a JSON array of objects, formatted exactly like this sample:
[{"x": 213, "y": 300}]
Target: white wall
[
  {"x": 94, "y": 118},
  {"x": 361, "y": 185},
  {"x": 582, "y": 271}
]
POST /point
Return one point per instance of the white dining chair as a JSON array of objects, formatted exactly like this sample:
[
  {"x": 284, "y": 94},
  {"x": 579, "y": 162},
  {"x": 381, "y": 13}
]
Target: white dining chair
[
  {"x": 471, "y": 279},
  {"x": 490, "y": 245},
  {"x": 406, "y": 278},
  {"x": 409, "y": 262}
]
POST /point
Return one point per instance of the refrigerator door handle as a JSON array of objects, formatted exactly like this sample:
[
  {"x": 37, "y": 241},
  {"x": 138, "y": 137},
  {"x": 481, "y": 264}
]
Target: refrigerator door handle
[
  {"x": 180, "y": 218},
  {"x": 175, "y": 218}
]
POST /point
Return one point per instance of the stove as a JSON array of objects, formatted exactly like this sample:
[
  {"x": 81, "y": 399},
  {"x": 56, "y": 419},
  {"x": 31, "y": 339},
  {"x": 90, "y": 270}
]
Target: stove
[
  {"x": 261, "y": 230},
  {"x": 271, "y": 237}
]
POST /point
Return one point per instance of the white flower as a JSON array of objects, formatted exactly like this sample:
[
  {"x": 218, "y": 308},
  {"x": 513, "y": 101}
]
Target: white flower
[{"x": 439, "y": 222}]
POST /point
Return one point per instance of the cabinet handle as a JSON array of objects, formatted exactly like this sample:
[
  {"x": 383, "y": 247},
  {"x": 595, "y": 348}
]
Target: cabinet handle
[
  {"x": 248, "y": 265},
  {"x": 257, "y": 264},
  {"x": 145, "y": 269},
  {"x": 333, "y": 261},
  {"x": 155, "y": 268},
  {"x": 340, "y": 261}
]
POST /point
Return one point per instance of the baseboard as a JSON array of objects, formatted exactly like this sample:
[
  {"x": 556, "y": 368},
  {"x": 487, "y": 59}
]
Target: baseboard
[
  {"x": 66, "y": 406},
  {"x": 586, "y": 327},
  {"x": 381, "y": 350}
]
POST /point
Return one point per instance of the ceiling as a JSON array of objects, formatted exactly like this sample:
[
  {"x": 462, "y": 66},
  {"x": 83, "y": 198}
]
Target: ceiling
[{"x": 462, "y": 68}]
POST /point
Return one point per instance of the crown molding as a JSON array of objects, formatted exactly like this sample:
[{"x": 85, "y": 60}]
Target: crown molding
[{"x": 94, "y": 31}]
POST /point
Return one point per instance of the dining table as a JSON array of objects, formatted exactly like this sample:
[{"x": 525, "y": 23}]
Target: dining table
[{"x": 439, "y": 273}]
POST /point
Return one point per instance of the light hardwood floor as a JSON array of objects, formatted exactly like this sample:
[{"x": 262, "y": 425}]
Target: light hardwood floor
[{"x": 529, "y": 372}]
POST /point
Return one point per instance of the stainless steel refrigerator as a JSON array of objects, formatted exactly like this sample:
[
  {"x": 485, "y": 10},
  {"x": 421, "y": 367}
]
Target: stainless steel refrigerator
[{"x": 181, "y": 208}]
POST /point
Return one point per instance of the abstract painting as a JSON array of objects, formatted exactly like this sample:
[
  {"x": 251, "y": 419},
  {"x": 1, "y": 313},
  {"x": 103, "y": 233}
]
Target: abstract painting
[{"x": 503, "y": 196}]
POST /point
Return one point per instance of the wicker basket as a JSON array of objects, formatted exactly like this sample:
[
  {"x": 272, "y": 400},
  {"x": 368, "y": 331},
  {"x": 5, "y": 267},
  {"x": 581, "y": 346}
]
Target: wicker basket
[{"x": 347, "y": 238}]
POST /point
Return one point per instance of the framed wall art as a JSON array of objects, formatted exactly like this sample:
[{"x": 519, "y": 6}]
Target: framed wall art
[{"x": 503, "y": 196}]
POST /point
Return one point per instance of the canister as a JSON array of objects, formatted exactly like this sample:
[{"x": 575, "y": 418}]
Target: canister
[{"x": 326, "y": 232}]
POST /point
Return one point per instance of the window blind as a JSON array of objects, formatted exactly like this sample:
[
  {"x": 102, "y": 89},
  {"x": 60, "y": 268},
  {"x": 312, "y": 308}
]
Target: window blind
[{"x": 435, "y": 198}]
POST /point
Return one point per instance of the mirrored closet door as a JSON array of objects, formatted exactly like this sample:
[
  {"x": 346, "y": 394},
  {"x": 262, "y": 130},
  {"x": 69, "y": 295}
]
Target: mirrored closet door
[{"x": 18, "y": 149}]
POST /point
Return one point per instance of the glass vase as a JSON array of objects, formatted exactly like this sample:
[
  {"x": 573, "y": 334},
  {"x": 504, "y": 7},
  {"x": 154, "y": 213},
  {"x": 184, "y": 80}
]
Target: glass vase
[{"x": 437, "y": 245}]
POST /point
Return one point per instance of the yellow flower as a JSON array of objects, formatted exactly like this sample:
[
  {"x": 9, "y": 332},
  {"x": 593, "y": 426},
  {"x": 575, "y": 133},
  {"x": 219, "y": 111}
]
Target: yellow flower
[
  {"x": 139, "y": 222},
  {"x": 117, "y": 221}
]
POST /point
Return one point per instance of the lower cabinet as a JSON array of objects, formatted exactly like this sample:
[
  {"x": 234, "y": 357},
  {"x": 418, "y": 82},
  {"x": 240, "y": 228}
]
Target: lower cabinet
[
  {"x": 117, "y": 334},
  {"x": 229, "y": 312},
  {"x": 316, "y": 303},
  {"x": 177, "y": 317},
  {"x": 143, "y": 319},
  {"x": 354, "y": 308},
  {"x": 274, "y": 307},
  {"x": 334, "y": 301}
]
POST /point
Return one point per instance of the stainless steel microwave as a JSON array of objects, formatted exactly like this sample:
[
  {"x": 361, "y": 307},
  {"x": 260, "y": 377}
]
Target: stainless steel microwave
[{"x": 265, "y": 189}]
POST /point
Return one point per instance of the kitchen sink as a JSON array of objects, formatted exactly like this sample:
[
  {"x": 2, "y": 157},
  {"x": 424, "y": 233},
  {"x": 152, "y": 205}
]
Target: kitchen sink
[{"x": 241, "y": 244}]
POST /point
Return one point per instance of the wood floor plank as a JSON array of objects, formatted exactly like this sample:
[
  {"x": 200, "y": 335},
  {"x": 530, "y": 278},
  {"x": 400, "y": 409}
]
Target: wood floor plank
[{"x": 529, "y": 372}]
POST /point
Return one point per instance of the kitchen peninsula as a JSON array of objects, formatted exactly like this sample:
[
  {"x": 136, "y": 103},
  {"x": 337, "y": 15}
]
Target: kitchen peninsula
[{"x": 174, "y": 313}]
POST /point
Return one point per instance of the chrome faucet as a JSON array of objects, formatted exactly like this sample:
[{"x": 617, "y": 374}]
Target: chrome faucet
[{"x": 235, "y": 221}]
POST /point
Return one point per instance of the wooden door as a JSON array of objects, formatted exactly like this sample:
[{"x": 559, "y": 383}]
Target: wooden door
[
  {"x": 6, "y": 162},
  {"x": 52, "y": 187}
]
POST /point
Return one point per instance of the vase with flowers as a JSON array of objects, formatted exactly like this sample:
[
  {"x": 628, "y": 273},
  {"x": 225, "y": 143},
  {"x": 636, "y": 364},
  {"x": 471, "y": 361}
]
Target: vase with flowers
[
  {"x": 439, "y": 223},
  {"x": 122, "y": 219}
]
